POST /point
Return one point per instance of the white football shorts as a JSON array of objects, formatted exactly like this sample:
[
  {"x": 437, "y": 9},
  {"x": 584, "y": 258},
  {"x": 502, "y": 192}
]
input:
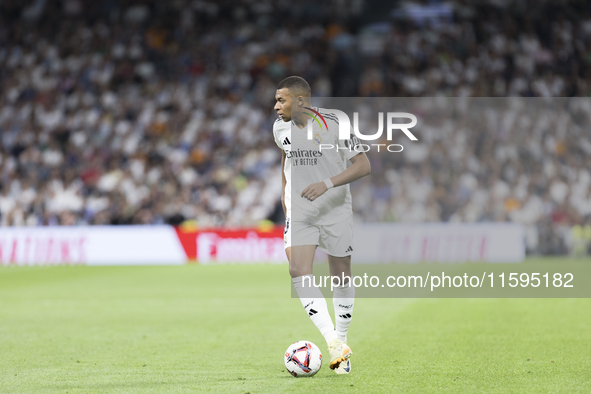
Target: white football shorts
[{"x": 335, "y": 239}]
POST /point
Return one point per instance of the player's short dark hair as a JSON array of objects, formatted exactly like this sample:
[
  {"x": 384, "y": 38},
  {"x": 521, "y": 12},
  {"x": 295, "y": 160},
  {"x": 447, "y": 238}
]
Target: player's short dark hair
[{"x": 297, "y": 86}]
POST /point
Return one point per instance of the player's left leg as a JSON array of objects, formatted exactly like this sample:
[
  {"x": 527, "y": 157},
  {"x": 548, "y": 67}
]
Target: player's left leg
[
  {"x": 337, "y": 241},
  {"x": 343, "y": 295},
  {"x": 343, "y": 301}
]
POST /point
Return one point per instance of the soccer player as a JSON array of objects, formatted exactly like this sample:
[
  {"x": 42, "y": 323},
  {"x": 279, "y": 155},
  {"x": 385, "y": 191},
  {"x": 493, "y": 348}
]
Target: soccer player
[{"x": 317, "y": 205}]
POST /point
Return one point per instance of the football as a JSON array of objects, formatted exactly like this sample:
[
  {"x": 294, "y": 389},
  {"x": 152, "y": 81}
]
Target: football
[{"x": 303, "y": 359}]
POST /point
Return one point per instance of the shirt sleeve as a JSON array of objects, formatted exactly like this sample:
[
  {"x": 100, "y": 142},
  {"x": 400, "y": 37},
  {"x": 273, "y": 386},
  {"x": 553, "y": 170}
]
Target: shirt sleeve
[{"x": 275, "y": 137}]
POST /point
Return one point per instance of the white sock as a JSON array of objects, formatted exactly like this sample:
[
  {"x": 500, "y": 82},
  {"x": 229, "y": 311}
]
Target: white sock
[
  {"x": 343, "y": 301},
  {"x": 315, "y": 306}
]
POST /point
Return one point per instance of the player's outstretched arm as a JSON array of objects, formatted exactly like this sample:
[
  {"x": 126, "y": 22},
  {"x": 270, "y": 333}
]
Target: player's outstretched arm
[
  {"x": 359, "y": 168},
  {"x": 283, "y": 182}
]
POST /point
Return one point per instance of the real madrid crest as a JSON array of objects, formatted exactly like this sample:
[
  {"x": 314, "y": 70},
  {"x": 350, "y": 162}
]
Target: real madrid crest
[{"x": 317, "y": 139}]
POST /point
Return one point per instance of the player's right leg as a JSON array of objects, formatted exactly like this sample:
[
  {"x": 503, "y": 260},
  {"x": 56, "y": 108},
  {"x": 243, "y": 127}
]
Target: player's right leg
[{"x": 301, "y": 259}]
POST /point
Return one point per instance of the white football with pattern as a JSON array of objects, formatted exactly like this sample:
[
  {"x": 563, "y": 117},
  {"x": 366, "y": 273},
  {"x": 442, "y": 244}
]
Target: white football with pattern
[{"x": 302, "y": 359}]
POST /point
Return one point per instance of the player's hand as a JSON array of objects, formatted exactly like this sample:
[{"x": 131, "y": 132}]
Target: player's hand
[{"x": 314, "y": 191}]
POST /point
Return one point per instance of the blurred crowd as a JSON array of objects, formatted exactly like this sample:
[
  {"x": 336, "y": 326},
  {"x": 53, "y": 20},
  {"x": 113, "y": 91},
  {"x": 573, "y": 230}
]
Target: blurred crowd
[
  {"x": 522, "y": 160},
  {"x": 145, "y": 112}
]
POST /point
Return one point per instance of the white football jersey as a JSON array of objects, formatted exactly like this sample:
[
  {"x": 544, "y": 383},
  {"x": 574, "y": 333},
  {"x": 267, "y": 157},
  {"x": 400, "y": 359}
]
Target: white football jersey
[{"x": 306, "y": 164}]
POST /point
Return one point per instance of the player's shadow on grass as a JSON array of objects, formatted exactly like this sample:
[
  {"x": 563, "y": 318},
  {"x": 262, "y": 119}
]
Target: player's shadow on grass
[
  {"x": 315, "y": 377},
  {"x": 282, "y": 375}
]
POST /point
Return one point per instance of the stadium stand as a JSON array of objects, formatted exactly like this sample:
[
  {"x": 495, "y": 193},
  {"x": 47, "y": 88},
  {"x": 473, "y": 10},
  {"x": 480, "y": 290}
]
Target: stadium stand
[{"x": 137, "y": 112}]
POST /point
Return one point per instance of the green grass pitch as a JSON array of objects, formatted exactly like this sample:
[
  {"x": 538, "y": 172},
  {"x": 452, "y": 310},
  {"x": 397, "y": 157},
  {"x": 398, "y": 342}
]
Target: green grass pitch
[{"x": 225, "y": 328}]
